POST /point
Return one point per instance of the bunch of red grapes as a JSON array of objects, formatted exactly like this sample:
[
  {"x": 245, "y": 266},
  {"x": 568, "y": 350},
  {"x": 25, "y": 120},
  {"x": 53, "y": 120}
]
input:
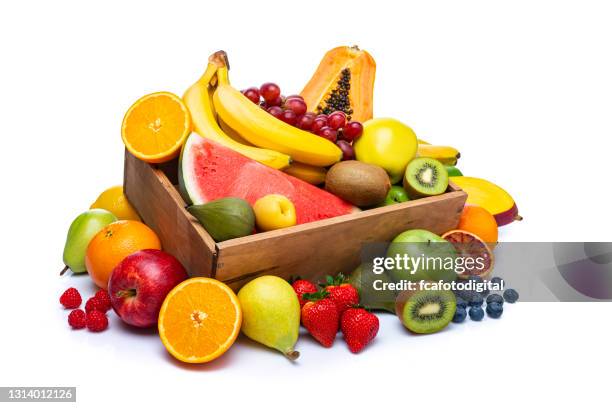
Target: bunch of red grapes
[{"x": 335, "y": 127}]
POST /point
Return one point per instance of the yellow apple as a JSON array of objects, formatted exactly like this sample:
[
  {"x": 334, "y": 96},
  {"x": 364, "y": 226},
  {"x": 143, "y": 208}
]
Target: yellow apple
[
  {"x": 387, "y": 143},
  {"x": 274, "y": 211}
]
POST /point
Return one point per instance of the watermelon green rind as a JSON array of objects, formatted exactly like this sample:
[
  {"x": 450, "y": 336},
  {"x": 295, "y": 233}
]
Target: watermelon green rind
[
  {"x": 209, "y": 171},
  {"x": 186, "y": 186}
]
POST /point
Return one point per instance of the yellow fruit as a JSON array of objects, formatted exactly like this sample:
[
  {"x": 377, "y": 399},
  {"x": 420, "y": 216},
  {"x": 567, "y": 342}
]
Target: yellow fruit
[
  {"x": 198, "y": 101},
  {"x": 155, "y": 127},
  {"x": 264, "y": 130},
  {"x": 489, "y": 196},
  {"x": 310, "y": 174},
  {"x": 444, "y": 154},
  {"x": 387, "y": 143},
  {"x": 274, "y": 211},
  {"x": 199, "y": 320},
  {"x": 113, "y": 200}
]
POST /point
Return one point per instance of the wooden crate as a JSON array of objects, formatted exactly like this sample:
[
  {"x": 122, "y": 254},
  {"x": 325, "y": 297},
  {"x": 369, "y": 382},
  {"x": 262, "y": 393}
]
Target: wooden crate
[{"x": 309, "y": 250}]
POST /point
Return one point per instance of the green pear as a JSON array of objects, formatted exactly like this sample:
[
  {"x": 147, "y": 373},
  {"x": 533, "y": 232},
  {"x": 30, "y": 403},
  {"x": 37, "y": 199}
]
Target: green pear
[
  {"x": 363, "y": 278},
  {"x": 81, "y": 231},
  {"x": 271, "y": 314}
]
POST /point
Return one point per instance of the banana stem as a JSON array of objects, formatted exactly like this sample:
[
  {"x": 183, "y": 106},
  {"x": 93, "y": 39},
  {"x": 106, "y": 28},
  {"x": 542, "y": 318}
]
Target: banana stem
[
  {"x": 222, "y": 77},
  {"x": 220, "y": 59}
]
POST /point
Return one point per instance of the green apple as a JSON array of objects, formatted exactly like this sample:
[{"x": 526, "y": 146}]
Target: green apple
[
  {"x": 453, "y": 171},
  {"x": 81, "y": 231},
  {"x": 418, "y": 243},
  {"x": 396, "y": 195}
]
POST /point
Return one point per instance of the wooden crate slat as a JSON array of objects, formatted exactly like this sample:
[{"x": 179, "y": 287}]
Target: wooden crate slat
[{"x": 161, "y": 207}]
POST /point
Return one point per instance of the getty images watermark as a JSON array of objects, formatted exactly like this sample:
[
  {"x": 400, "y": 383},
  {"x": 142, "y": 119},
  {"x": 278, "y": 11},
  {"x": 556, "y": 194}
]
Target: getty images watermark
[{"x": 540, "y": 271}]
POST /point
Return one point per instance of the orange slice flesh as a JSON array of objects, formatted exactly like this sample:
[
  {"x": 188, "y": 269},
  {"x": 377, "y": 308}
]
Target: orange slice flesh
[
  {"x": 155, "y": 127},
  {"x": 199, "y": 320}
]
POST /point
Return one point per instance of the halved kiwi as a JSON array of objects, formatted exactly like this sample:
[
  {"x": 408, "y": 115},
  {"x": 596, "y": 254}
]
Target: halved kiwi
[
  {"x": 425, "y": 311},
  {"x": 425, "y": 177}
]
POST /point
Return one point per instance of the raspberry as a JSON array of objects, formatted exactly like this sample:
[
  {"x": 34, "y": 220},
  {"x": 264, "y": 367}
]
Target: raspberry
[
  {"x": 96, "y": 321},
  {"x": 71, "y": 298},
  {"x": 92, "y": 304},
  {"x": 104, "y": 300},
  {"x": 77, "y": 319}
]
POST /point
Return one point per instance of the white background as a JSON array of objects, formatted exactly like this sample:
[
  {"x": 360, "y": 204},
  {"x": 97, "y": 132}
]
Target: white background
[{"x": 522, "y": 88}]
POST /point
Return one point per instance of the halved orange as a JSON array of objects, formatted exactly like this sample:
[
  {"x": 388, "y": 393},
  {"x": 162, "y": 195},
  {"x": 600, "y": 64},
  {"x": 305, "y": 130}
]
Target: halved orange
[
  {"x": 470, "y": 246},
  {"x": 199, "y": 320},
  {"x": 155, "y": 127}
]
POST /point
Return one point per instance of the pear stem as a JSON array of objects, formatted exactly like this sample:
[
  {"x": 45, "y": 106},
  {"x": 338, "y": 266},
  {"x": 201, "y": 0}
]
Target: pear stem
[
  {"x": 63, "y": 271},
  {"x": 292, "y": 355}
]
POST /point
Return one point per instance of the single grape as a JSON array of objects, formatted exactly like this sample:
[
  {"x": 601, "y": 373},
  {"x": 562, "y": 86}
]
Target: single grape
[
  {"x": 275, "y": 111},
  {"x": 336, "y": 120},
  {"x": 352, "y": 131},
  {"x": 298, "y": 106},
  {"x": 252, "y": 93},
  {"x": 276, "y": 102},
  {"x": 288, "y": 117},
  {"x": 348, "y": 153},
  {"x": 305, "y": 121},
  {"x": 295, "y": 97},
  {"x": 269, "y": 91},
  {"x": 328, "y": 133},
  {"x": 322, "y": 116},
  {"x": 317, "y": 124}
]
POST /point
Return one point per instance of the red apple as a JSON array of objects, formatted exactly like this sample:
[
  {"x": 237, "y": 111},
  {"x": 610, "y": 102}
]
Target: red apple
[{"x": 139, "y": 284}]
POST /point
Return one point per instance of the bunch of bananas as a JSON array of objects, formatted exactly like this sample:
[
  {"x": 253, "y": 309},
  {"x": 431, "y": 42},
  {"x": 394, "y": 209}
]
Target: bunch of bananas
[{"x": 221, "y": 113}]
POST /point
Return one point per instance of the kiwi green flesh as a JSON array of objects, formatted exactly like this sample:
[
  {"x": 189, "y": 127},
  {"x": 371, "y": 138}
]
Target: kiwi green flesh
[
  {"x": 425, "y": 177},
  {"x": 429, "y": 311}
]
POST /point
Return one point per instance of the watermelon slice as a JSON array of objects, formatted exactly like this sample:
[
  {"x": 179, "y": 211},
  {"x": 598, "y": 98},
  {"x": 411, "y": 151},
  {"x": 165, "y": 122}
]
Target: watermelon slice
[{"x": 208, "y": 171}]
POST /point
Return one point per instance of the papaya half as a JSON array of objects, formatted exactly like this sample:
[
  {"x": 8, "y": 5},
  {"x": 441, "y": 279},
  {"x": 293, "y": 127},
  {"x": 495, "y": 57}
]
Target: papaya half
[{"x": 344, "y": 81}]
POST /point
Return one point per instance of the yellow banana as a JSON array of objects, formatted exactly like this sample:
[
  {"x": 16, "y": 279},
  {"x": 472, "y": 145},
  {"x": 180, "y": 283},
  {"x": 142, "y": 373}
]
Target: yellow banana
[
  {"x": 263, "y": 130},
  {"x": 421, "y": 141},
  {"x": 310, "y": 174},
  {"x": 198, "y": 101},
  {"x": 444, "y": 154},
  {"x": 232, "y": 133}
]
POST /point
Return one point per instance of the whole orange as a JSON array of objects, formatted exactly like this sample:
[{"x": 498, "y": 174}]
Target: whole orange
[
  {"x": 113, "y": 243},
  {"x": 479, "y": 221}
]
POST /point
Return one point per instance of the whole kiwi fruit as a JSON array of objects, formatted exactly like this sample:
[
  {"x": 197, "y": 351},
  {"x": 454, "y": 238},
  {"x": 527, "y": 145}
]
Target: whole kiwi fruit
[{"x": 359, "y": 183}]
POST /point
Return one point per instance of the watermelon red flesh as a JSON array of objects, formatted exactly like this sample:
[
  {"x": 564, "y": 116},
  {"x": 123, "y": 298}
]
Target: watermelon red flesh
[{"x": 210, "y": 171}]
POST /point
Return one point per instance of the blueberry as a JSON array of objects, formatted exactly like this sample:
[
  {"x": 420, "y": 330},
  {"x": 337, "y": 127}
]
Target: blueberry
[
  {"x": 495, "y": 310},
  {"x": 460, "y": 315},
  {"x": 465, "y": 294},
  {"x": 461, "y": 304},
  {"x": 476, "y": 300},
  {"x": 475, "y": 278},
  {"x": 476, "y": 313},
  {"x": 511, "y": 295},
  {"x": 495, "y": 298},
  {"x": 498, "y": 281}
]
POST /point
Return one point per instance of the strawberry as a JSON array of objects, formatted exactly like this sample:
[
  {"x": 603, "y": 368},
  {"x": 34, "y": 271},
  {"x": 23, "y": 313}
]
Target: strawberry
[
  {"x": 359, "y": 328},
  {"x": 301, "y": 286},
  {"x": 320, "y": 317},
  {"x": 342, "y": 293}
]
